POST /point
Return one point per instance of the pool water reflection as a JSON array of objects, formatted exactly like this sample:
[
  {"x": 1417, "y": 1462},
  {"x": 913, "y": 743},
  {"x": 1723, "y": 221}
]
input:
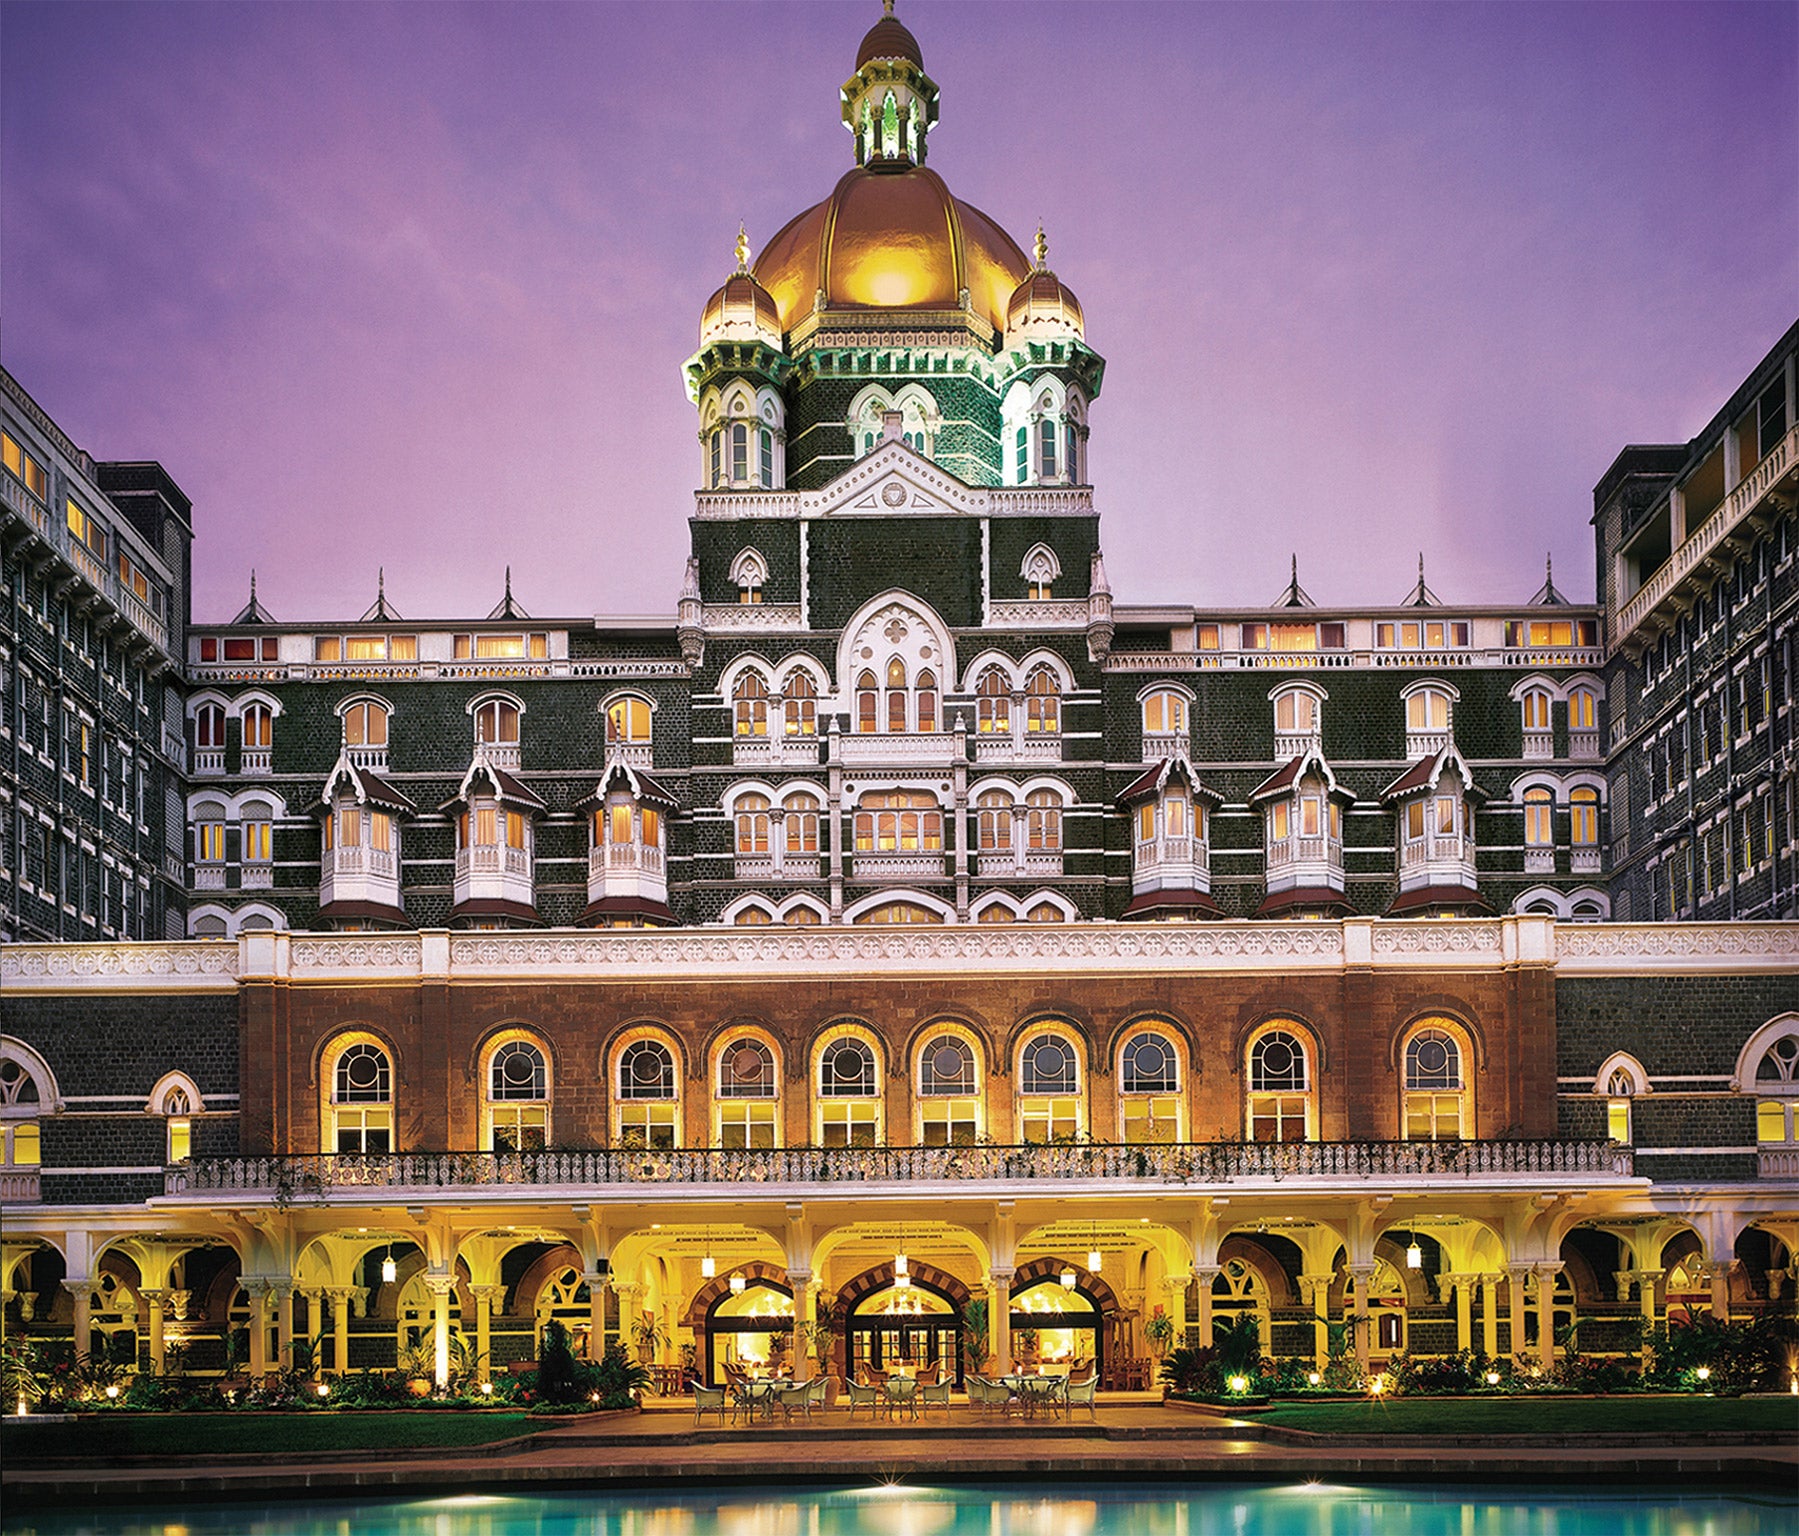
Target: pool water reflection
[{"x": 1064, "y": 1509}]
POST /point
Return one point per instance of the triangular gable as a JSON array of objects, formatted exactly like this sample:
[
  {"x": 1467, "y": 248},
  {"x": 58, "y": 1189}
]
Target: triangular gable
[
  {"x": 506, "y": 788},
  {"x": 1426, "y": 774},
  {"x": 638, "y": 784},
  {"x": 365, "y": 787},
  {"x": 1154, "y": 779},
  {"x": 892, "y": 481},
  {"x": 1291, "y": 772}
]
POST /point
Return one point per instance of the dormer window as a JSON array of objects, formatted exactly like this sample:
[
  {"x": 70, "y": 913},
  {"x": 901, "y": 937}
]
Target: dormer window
[{"x": 1041, "y": 570}]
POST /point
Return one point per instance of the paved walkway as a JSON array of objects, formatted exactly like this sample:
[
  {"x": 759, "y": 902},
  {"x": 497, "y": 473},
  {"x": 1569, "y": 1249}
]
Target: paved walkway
[{"x": 1131, "y": 1440}]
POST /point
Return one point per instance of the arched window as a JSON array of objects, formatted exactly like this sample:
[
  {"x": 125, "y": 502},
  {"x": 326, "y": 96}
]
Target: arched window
[
  {"x": 647, "y": 1092},
  {"x": 993, "y": 820},
  {"x": 1073, "y": 454},
  {"x": 1536, "y": 705},
  {"x": 1049, "y": 1106},
  {"x": 993, "y": 703},
  {"x": 745, "y": 1108},
  {"x": 1620, "y": 1089},
  {"x": 1539, "y": 818},
  {"x": 22, "y": 1100},
  {"x": 209, "y": 841},
  {"x": 948, "y": 1093},
  {"x": 359, "y": 1116},
  {"x": 896, "y": 695},
  {"x": 1296, "y": 713},
  {"x": 496, "y": 723},
  {"x": 800, "y": 915},
  {"x": 899, "y": 821},
  {"x": 1777, "y": 1089},
  {"x": 802, "y": 705},
  {"x": 1042, "y": 703},
  {"x": 259, "y": 727},
  {"x": 1583, "y": 712},
  {"x": 766, "y": 439},
  {"x": 867, "y": 718},
  {"x": 1281, "y": 1103},
  {"x": 755, "y": 915},
  {"x": 752, "y": 825},
  {"x": 209, "y": 728},
  {"x": 1021, "y": 468},
  {"x": 849, "y": 1111},
  {"x": 718, "y": 457},
  {"x": 177, "y": 1109},
  {"x": 1046, "y": 447},
  {"x": 802, "y": 810},
  {"x": 1043, "y": 821},
  {"x": 927, "y": 700},
  {"x": 1583, "y": 817},
  {"x": 518, "y": 1099},
  {"x": 1149, "y": 1088},
  {"x": 1436, "y": 1092},
  {"x": 1427, "y": 709},
  {"x": 628, "y": 721},
  {"x": 1164, "y": 714},
  {"x": 365, "y": 724},
  {"x": 740, "y": 453},
  {"x": 750, "y": 701},
  {"x": 256, "y": 826}
]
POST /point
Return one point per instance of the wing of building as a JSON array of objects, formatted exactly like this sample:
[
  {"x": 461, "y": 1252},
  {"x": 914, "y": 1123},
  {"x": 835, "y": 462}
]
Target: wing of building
[{"x": 901, "y": 922}]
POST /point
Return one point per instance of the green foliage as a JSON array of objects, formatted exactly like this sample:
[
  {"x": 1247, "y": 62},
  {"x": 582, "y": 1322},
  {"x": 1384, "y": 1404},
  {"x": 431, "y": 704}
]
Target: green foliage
[
  {"x": 1159, "y": 1331},
  {"x": 1193, "y": 1371},
  {"x": 618, "y": 1378},
  {"x": 22, "y": 1375},
  {"x": 1739, "y": 1357},
  {"x": 1238, "y": 1344}
]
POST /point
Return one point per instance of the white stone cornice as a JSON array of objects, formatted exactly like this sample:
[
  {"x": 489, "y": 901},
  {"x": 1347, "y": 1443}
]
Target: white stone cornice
[
  {"x": 201, "y": 966},
  {"x": 1676, "y": 949}
]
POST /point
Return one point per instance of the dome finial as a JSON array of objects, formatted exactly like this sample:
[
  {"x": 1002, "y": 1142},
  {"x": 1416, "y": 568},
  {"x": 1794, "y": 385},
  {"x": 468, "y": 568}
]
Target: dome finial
[
  {"x": 743, "y": 248},
  {"x": 886, "y": 7},
  {"x": 1042, "y": 249}
]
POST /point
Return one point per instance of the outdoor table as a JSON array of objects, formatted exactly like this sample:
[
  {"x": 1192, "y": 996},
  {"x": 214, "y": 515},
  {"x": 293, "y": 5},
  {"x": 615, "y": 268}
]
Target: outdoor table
[
  {"x": 902, "y": 1393},
  {"x": 762, "y": 1394},
  {"x": 1033, "y": 1391}
]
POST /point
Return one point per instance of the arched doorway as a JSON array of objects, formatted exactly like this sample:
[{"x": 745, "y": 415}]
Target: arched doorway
[
  {"x": 913, "y": 1325},
  {"x": 752, "y": 1328},
  {"x": 1074, "y": 1321}
]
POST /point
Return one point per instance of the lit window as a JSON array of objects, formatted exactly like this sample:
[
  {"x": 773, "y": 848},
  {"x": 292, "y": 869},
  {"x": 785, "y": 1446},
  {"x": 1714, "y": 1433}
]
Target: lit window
[
  {"x": 1164, "y": 714},
  {"x": 259, "y": 727},
  {"x": 21, "y": 1101},
  {"x": 949, "y": 1111},
  {"x": 752, "y": 824},
  {"x": 496, "y": 723},
  {"x": 1536, "y": 704},
  {"x": 802, "y": 705},
  {"x": 746, "y": 1094},
  {"x": 1620, "y": 1090},
  {"x": 896, "y": 695},
  {"x": 993, "y": 703},
  {"x": 1427, "y": 710},
  {"x": 1149, "y": 1080},
  {"x": 1043, "y": 821},
  {"x": 1435, "y": 1097},
  {"x": 22, "y": 466},
  {"x": 209, "y": 728},
  {"x": 177, "y": 1108},
  {"x": 628, "y": 721},
  {"x": 802, "y": 830},
  {"x": 1042, "y": 703},
  {"x": 1539, "y": 818},
  {"x": 257, "y": 830},
  {"x": 866, "y": 703},
  {"x": 993, "y": 820},
  {"x": 1049, "y": 1086},
  {"x": 1582, "y": 710},
  {"x": 1583, "y": 810},
  {"x": 85, "y": 528},
  {"x": 209, "y": 834},
  {"x": 1778, "y": 1073},
  {"x": 517, "y": 1109},
  {"x": 647, "y": 1095},
  {"x": 1281, "y": 1106},
  {"x": 750, "y": 702},
  {"x": 365, "y": 725},
  {"x": 360, "y": 1113},
  {"x": 849, "y": 1114},
  {"x": 1295, "y": 713},
  {"x": 899, "y": 821}
]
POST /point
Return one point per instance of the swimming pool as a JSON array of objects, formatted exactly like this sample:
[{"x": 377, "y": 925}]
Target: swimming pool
[{"x": 1059, "y": 1509}]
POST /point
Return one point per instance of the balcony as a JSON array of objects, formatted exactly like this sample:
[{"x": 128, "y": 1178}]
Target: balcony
[
  {"x": 1583, "y": 746},
  {"x": 1347, "y": 1165},
  {"x": 880, "y": 749},
  {"x": 256, "y": 877},
  {"x": 255, "y": 760},
  {"x": 209, "y": 877},
  {"x": 1693, "y": 559},
  {"x": 897, "y": 866},
  {"x": 774, "y": 751},
  {"x": 1018, "y": 747},
  {"x": 1538, "y": 744},
  {"x": 1777, "y": 1163},
  {"x": 209, "y": 760}
]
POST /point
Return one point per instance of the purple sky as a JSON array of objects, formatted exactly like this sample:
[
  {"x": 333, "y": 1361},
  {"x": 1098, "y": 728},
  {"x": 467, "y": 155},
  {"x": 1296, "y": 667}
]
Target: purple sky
[{"x": 411, "y": 285}]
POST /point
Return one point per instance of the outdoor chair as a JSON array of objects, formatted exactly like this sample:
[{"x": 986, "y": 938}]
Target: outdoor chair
[
  {"x": 926, "y": 1375},
  {"x": 1082, "y": 1394},
  {"x": 869, "y": 1397},
  {"x": 988, "y": 1396},
  {"x": 934, "y": 1394},
  {"x": 710, "y": 1400},
  {"x": 816, "y": 1396}
]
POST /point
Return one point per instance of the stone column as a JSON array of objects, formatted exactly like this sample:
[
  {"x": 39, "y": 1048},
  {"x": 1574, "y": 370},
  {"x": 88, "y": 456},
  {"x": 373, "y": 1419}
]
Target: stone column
[
  {"x": 1464, "y": 1310},
  {"x": 1515, "y": 1275},
  {"x": 1720, "y": 1273},
  {"x": 283, "y": 1293},
  {"x": 1205, "y": 1274},
  {"x": 486, "y": 1296},
  {"x": 1489, "y": 1315},
  {"x": 154, "y": 1298},
  {"x": 7, "y": 1293},
  {"x": 83, "y": 1291},
  {"x": 1316, "y": 1289},
  {"x": 999, "y": 1318},
  {"x": 628, "y": 1292},
  {"x": 340, "y": 1328},
  {"x": 258, "y": 1292},
  {"x": 1177, "y": 1308},
  {"x": 1546, "y": 1274},
  {"x": 1356, "y": 1308},
  {"x": 800, "y": 1282},
  {"x": 440, "y": 1287}
]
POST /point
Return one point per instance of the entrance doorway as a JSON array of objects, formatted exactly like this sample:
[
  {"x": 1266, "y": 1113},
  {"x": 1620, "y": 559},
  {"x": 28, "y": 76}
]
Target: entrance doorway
[
  {"x": 913, "y": 1326},
  {"x": 1056, "y": 1325},
  {"x": 751, "y": 1329}
]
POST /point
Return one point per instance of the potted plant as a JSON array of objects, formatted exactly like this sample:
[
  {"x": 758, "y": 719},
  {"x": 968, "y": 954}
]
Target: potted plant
[
  {"x": 649, "y": 1336},
  {"x": 1159, "y": 1332}
]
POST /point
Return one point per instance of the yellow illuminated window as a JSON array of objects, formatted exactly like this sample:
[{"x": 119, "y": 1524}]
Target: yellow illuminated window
[{"x": 366, "y": 648}]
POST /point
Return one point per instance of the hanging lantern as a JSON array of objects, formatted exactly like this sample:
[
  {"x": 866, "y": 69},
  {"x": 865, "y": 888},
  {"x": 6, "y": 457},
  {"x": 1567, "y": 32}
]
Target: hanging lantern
[
  {"x": 899, "y": 1266},
  {"x": 708, "y": 1267},
  {"x": 736, "y": 1285},
  {"x": 1094, "y": 1256},
  {"x": 389, "y": 1270},
  {"x": 1414, "y": 1255},
  {"x": 1068, "y": 1279},
  {"x": 903, "y": 1282}
]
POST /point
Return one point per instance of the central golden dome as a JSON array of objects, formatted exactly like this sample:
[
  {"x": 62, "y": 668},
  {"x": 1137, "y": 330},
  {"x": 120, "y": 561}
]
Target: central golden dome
[{"x": 892, "y": 239}]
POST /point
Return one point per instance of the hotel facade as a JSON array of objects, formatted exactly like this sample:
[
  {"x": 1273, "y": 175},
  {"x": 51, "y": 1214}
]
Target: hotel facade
[{"x": 904, "y": 936}]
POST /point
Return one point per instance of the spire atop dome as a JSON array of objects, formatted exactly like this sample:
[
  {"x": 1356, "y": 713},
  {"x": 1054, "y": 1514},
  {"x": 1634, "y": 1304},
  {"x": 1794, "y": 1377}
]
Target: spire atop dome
[
  {"x": 889, "y": 103},
  {"x": 1041, "y": 249},
  {"x": 743, "y": 250}
]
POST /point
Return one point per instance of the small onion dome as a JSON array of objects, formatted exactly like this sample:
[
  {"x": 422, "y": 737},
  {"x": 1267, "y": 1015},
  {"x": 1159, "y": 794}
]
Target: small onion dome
[
  {"x": 889, "y": 38},
  {"x": 742, "y": 310},
  {"x": 1042, "y": 303}
]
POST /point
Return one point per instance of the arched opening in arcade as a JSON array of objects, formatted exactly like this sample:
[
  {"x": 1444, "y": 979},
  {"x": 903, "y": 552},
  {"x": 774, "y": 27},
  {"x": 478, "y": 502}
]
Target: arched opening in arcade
[
  {"x": 750, "y": 1327},
  {"x": 911, "y": 1322}
]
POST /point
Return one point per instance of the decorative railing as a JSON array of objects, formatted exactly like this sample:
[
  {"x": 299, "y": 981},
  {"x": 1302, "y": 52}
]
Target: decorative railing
[
  {"x": 1203, "y": 1163},
  {"x": 1781, "y": 1163},
  {"x": 19, "y": 1186},
  {"x": 1694, "y": 550},
  {"x": 937, "y": 748},
  {"x": 1520, "y": 657}
]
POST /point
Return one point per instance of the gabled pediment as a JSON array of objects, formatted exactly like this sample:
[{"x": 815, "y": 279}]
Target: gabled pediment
[{"x": 891, "y": 482}]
